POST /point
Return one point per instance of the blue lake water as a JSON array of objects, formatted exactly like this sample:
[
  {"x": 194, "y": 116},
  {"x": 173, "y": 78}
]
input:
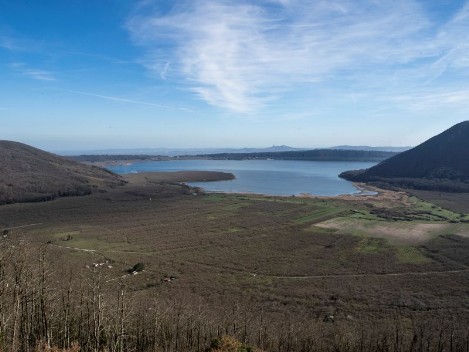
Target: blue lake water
[{"x": 274, "y": 177}]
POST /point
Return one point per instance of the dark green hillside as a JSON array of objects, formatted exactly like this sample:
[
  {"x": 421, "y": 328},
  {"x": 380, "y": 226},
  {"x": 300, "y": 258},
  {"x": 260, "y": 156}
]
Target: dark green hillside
[
  {"x": 309, "y": 155},
  {"x": 30, "y": 174},
  {"x": 442, "y": 162}
]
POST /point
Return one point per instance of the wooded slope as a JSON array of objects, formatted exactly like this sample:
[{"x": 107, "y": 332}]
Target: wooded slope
[
  {"x": 29, "y": 174},
  {"x": 442, "y": 162}
]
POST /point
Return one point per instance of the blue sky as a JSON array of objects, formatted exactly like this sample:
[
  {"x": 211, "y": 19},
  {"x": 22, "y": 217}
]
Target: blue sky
[{"x": 82, "y": 74}]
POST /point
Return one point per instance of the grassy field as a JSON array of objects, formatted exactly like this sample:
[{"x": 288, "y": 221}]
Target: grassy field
[{"x": 367, "y": 262}]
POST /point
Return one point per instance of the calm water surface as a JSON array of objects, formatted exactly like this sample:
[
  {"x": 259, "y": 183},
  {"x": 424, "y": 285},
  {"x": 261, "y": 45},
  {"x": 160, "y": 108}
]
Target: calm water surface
[{"x": 275, "y": 177}]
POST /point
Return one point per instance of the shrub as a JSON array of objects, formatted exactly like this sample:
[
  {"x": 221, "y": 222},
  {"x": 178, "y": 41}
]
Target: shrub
[{"x": 138, "y": 267}]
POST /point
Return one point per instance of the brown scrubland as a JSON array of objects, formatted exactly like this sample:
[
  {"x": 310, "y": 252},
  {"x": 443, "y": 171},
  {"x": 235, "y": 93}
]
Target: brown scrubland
[{"x": 158, "y": 266}]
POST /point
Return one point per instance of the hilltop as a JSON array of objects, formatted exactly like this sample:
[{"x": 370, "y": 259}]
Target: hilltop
[
  {"x": 30, "y": 174},
  {"x": 440, "y": 163}
]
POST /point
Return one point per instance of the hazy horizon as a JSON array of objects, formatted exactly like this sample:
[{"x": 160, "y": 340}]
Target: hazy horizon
[{"x": 191, "y": 151}]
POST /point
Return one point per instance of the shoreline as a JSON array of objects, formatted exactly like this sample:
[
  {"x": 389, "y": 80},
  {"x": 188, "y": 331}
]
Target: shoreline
[
  {"x": 363, "y": 191},
  {"x": 178, "y": 176},
  {"x": 366, "y": 190}
]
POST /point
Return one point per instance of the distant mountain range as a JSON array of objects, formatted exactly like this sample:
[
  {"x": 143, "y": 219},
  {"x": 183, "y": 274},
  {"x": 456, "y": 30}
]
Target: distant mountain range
[
  {"x": 176, "y": 151},
  {"x": 205, "y": 151},
  {"x": 306, "y": 155},
  {"x": 440, "y": 163},
  {"x": 378, "y": 149},
  {"x": 28, "y": 174}
]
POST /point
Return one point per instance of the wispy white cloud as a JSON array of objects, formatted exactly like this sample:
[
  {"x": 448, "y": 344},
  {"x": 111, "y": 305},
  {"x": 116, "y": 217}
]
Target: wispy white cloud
[
  {"x": 451, "y": 44},
  {"x": 239, "y": 55},
  {"x": 11, "y": 40},
  {"x": 127, "y": 100},
  {"x": 7, "y": 43},
  {"x": 431, "y": 100},
  {"x": 164, "y": 70},
  {"x": 38, "y": 74},
  {"x": 101, "y": 57}
]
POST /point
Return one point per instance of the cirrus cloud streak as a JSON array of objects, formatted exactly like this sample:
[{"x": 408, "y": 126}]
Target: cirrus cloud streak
[{"x": 240, "y": 56}]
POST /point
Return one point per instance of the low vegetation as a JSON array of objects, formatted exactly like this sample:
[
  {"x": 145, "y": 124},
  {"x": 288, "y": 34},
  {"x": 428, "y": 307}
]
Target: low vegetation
[
  {"x": 399, "y": 183},
  {"x": 232, "y": 272},
  {"x": 456, "y": 202},
  {"x": 45, "y": 307}
]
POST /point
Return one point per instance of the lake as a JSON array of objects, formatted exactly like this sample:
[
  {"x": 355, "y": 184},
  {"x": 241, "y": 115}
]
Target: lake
[{"x": 274, "y": 177}]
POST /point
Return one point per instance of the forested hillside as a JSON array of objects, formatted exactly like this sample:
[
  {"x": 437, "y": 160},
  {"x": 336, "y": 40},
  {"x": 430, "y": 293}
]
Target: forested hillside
[
  {"x": 440, "y": 163},
  {"x": 30, "y": 174}
]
